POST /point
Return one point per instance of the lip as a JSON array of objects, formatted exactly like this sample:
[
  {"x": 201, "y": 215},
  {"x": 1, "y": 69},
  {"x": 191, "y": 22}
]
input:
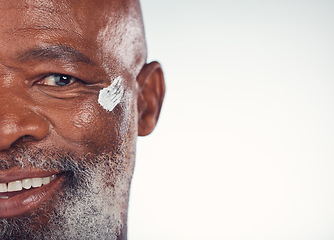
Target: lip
[
  {"x": 18, "y": 174},
  {"x": 27, "y": 201}
]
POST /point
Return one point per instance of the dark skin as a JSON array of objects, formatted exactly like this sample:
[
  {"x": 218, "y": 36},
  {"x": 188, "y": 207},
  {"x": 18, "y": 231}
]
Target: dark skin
[{"x": 87, "y": 44}]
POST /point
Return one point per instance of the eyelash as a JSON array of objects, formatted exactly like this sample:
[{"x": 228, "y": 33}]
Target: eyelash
[{"x": 59, "y": 80}]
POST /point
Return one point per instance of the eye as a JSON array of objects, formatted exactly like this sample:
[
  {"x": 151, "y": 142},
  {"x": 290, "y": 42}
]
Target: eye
[{"x": 59, "y": 80}]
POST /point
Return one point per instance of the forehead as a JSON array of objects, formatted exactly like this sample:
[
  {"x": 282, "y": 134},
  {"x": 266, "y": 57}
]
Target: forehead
[
  {"x": 21, "y": 17},
  {"x": 26, "y": 24}
]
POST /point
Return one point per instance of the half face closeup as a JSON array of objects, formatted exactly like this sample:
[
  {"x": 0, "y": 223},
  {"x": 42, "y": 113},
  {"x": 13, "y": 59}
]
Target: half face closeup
[{"x": 75, "y": 92}]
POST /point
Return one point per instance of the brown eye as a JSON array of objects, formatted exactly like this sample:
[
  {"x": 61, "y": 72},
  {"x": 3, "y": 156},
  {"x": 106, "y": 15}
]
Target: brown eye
[{"x": 60, "y": 80}]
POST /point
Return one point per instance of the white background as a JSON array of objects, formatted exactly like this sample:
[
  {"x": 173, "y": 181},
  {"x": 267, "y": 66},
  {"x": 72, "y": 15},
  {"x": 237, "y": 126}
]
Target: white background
[{"x": 244, "y": 147}]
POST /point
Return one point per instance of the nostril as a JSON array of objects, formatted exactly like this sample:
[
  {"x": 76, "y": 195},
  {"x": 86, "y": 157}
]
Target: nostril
[
  {"x": 22, "y": 140},
  {"x": 26, "y": 138}
]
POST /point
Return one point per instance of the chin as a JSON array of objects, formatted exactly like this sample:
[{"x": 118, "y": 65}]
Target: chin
[{"x": 87, "y": 200}]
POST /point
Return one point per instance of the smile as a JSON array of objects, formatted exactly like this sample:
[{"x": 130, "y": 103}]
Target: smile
[{"x": 22, "y": 195}]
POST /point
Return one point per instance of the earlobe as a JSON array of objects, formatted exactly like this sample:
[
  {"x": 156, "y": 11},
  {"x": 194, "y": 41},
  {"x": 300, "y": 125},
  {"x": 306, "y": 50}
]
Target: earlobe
[{"x": 152, "y": 91}]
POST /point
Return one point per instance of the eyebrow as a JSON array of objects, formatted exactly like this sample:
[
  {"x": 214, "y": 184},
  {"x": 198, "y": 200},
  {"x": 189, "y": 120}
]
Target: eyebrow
[{"x": 54, "y": 52}]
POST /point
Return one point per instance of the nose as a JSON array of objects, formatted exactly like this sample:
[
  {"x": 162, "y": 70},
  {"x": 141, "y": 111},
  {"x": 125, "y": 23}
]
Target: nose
[{"x": 18, "y": 122}]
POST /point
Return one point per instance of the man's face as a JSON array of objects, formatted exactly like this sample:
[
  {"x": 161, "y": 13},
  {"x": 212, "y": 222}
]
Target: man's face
[{"x": 68, "y": 144}]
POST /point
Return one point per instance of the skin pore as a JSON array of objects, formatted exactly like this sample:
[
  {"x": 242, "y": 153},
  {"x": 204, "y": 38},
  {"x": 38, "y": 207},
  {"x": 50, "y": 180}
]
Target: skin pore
[{"x": 55, "y": 58}]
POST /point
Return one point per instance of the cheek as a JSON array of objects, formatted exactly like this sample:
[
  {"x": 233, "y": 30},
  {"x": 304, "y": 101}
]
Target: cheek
[
  {"x": 84, "y": 117},
  {"x": 87, "y": 126}
]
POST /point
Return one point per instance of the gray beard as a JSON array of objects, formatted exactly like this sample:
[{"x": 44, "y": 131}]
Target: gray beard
[{"x": 91, "y": 206}]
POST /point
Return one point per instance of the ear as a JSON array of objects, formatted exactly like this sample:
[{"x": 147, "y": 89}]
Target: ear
[{"x": 151, "y": 85}]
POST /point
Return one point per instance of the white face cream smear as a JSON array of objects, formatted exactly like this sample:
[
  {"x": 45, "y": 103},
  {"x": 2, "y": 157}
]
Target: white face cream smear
[{"x": 110, "y": 96}]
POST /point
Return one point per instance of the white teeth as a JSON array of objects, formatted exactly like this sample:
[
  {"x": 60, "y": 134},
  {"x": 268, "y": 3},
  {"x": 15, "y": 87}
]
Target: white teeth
[
  {"x": 46, "y": 180},
  {"x": 24, "y": 183},
  {"x": 36, "y": 182},
  {"x": 3, "y": 187},
  {"x": 14, "y": 186}
]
